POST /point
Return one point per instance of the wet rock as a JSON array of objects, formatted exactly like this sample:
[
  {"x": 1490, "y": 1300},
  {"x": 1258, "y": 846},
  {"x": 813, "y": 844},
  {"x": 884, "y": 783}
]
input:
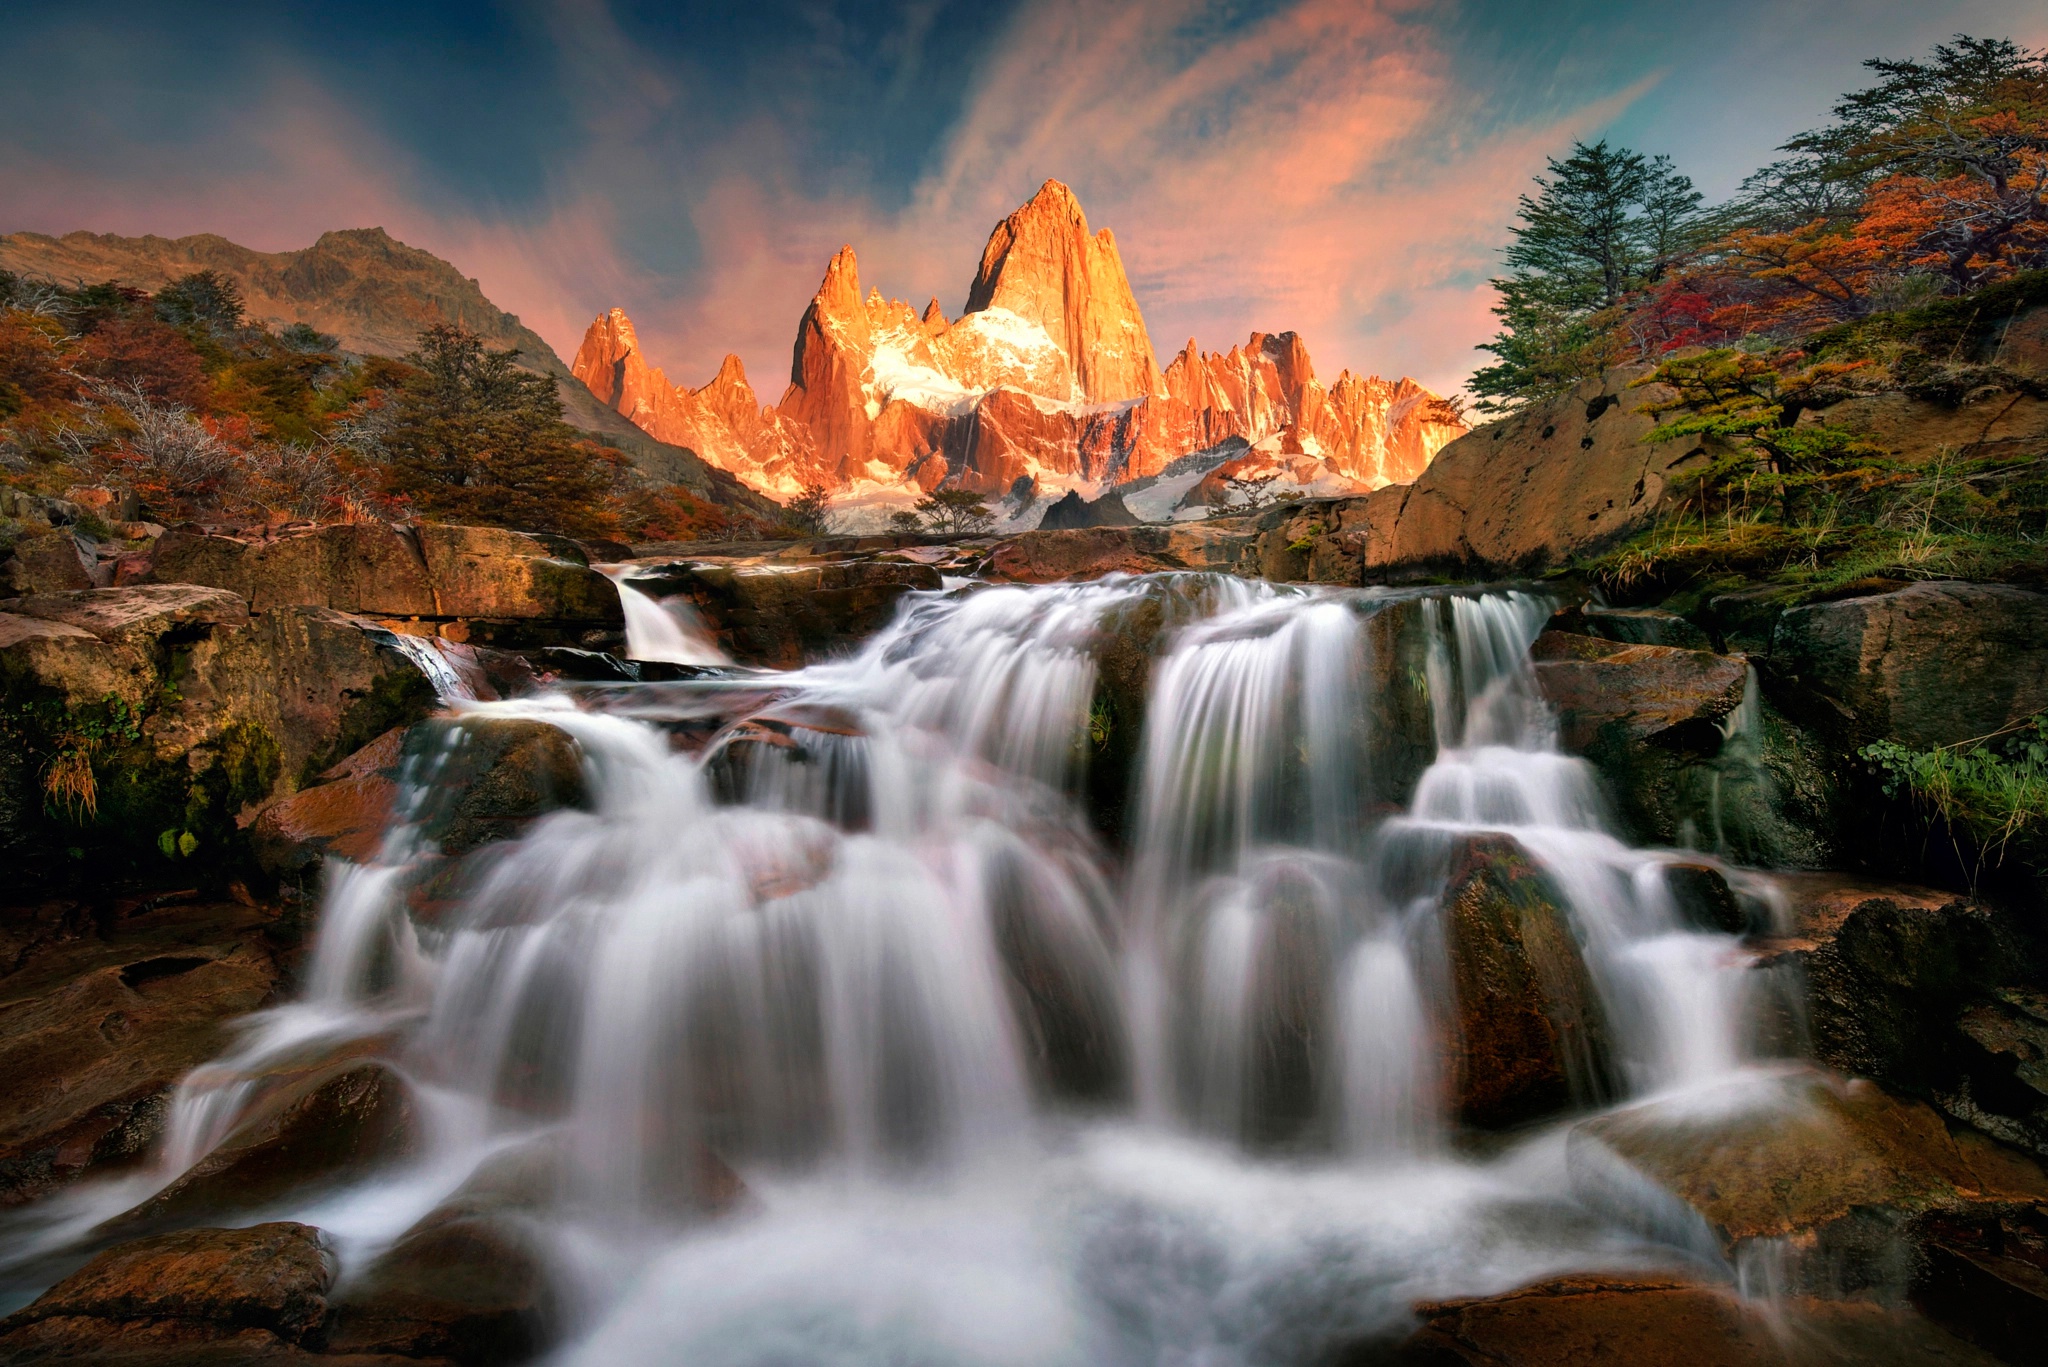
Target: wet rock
[
  {"x": 305, "y": 1129},
  {"x": 783, "y": 614},
  {"x": 366, "y": 567},
  {"x": 1528, "y": 1036},
  {"x": 1987, "y": 1281},
  {"x": 271, "y": 1277},
  {"x": 1818, "y": 1184},
  {"x": 1705, "y": 899},
  {"x": 1643, "y": 627},
  {"x": 1926, "y": 992},
  {"x": 1644, "y": 1318},
  {"x": 485, "y": 572},
  {"x": 1054, "y": 556},
  {"x": 1929, "y": 665},
  {"x": 343, "y": 814},
  {"x": 96, "y": 1029},
  {"x": 473, "y": 1289},
  {"x": 492, "y": 776},
  {"x": 1636, "y": 692}
]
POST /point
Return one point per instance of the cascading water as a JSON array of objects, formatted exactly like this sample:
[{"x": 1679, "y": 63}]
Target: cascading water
[
  {"x": 662, "y": 632},
  {"x": 1001, "y": 1092}
]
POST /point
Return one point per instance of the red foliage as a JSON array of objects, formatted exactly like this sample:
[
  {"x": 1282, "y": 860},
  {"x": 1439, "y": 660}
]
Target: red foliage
[{"x": 140, "y": 350}]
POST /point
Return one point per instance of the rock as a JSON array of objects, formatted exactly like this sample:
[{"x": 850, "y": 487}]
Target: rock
[
  {"x": 1529, "y": 1039},
  {"x": 488, "y": 573},
  {"x": 1643, "y": 626},
  {"x": 50, "y": 562},
  {"x": 342, "y": 814},
  {"x": 1705, "y": 899},
  {"x": 492, "y": 776},
  {"x": 1987, "y": 1281},
  {"x": 1050, "y": 557},
  {"x": 1929, "y": 665},
  {"x": 1989, "y": 423},
  {"x": 472, "y": 1289},
  {"x": 1636, "y": 1319},
  {"x": 783, "y": 615},
  {"x": 302, "y": 1129},
  {"x": 97, "y": 1029},
  {"x": 1072, "y": 511},
  {"x": 1636, "y": 692},
  {"x": 1926, "y": 992},
  {"x": 366, "y": 567},
  {"x": 271, "y": 1277},
  {"x": 1823, "y": 1182}
]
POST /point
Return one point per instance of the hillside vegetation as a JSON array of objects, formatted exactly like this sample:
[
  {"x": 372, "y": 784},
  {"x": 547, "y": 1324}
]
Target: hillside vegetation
[{"x": 177, "y": 396}]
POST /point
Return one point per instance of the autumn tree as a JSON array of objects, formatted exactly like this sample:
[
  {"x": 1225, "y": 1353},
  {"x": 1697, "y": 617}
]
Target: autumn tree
[
  {"x": 1606, "y": 222},
  {"x": 469, "y": 436}
]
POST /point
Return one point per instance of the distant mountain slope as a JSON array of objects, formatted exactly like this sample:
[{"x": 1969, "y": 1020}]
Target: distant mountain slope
[{"x": 375, "y": 294}]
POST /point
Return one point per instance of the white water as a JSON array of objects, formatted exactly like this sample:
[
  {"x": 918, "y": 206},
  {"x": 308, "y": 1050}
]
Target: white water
[
  {"x": 669, "y": 632},
  {"x": 1001, "y": 1094}
]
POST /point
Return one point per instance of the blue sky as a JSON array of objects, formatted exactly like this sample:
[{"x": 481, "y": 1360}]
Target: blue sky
[{"x": 1343, "y": 168}]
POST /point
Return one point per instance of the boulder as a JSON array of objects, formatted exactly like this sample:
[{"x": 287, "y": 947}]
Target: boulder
[
  {"x": 1932, "y": 664},
  {"x": 1925, "y": 991},
  {"x": 272, "y": 1277},
  {"x": 1991, "y": 422},
  {"x": 366, "y": 567},
  {"x": 485, "y": 572},
  {"x": 1636, "y": 1319},
  {"x": 46, "y": 562},
  {"x": 493, "y": 776},
  {"x": 342, "y": 814},
  {"x": 1050, "y": 556},
  {"x": 1528, "y": 1038},
  {"x": 782, "y": 614},
  {"x": 1636, "y": 692},
  {"x": 1643, "y": 627},
  {"x": 97, "y": 1028},
  {"x": 1820, "y": 1184},
  {"x": 473, "y": 1289},
  {"x": 302, "y": 1129}
]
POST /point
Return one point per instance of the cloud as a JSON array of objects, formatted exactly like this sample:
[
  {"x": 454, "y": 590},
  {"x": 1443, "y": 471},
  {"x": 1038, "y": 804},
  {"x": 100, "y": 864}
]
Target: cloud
[{"x": 1322, "y": 167}]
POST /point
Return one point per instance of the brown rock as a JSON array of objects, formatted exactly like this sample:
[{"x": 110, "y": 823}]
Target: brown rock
[
  {"x": 366, "y": 567},
  {"x": 96, "y": 1031},
  {"x": 322, "y": 1125},
  {"x": 1838, "y": 1170},
  {"x": 486, "y": 572},
  {"x": 51, "y": 562},
  {"x": 1990, "y": 423},
  {"x": 497, "y": 775},
  {"x": 271, "y": 1277},
  {"x": 474, "y": 1289},
  {"x": 1529, "y": 1039},
  {"x": 1641, "y": 691},
  {"x": 1648, "y": 1320},
  {"x": 1929, "y": 665},
  {"x": 1049, "y": 557},
  {"x": 343, "y": 814},
  {"x": 782, "y": 616}
]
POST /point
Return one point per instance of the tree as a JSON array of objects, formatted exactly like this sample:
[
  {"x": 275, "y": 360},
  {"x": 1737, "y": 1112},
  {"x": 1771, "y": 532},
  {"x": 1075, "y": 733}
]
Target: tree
[
  {"x": 954, "y": 512},
  {"x": 205, "y": 299},
  {"x": 810, "y": 512},
  {"x": 1606, "y": 223},
  {"x": 469, "y": 436}
]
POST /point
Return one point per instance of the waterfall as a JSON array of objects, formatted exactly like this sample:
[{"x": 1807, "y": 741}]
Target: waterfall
[
  {"x": 1005, "y": 1077},
  {"x": 666, "y": 631}
]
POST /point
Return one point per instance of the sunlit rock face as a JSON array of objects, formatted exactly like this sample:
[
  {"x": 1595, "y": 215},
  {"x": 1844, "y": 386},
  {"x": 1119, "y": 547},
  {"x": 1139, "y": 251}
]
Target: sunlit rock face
[{"x": 1049, "y": 375}]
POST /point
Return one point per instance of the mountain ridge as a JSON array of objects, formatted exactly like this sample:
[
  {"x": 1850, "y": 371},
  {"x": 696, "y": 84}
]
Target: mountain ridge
[
  {"x": 372, "y": 292},
  {"x": 1048, "y": 381}
]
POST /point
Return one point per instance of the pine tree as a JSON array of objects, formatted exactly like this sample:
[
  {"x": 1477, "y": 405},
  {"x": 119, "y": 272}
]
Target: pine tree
[{"x": 1606, "y": 223}]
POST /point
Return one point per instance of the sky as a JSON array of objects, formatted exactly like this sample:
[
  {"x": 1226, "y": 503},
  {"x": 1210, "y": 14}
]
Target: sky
[{"x": 1343, "y": 168}]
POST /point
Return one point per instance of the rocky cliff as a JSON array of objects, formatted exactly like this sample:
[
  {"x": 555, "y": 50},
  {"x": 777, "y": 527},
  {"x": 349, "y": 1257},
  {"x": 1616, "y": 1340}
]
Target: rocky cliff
[
  {"x": 371, "y": 292},
  {"x": 1048, "y": 377}
]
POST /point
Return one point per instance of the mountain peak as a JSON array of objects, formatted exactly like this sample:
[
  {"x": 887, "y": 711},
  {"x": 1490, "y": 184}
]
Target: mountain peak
[{"x": 1042, "y": 264}]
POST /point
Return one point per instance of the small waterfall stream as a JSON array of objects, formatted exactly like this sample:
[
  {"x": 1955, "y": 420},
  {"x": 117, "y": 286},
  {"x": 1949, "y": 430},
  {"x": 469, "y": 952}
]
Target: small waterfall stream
[{"x": 1002, "y": 1089}]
